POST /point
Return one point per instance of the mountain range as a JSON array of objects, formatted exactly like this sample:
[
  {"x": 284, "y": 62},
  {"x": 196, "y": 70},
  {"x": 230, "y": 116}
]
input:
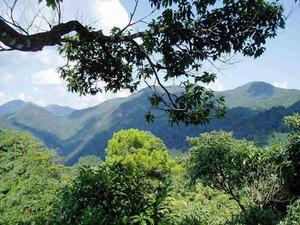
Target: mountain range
[{"x": 255, "y": 112}]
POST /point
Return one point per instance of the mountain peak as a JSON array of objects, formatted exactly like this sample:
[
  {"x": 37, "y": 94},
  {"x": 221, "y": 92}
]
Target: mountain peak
[
  {"x": 16, "y": 101},
  {"x": 260, "y": 89},
  {"x": 11, "y": 106}
]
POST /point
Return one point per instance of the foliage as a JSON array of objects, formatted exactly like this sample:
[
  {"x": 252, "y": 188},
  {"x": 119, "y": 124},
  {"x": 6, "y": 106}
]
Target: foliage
[
  {"x": 88, "y": 161},
  {"x": 244, "y": 28},
  {"x": 52, "y": 3},
  {"x": 201, "y": 204},
  {"x": 293, "y": 214},
  {"x": 293, "y": 151},
  {"x": 28, "y": 180},
  {"x": 129, "y": 187},
  {"x": 252, "y": 176},
  {"x": 127, "y": 142},
  {"x": 221, "y": 161},
  {"x": 234, "y": 183},
  {"x": 107, "y": 195},
  {"x": 256, "y": 216},
  {"x": 142, "y": 151}
]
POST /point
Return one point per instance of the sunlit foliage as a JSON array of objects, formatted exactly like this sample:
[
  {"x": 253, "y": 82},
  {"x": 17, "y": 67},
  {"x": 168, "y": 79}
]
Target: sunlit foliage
[
  {"x": 223, "y": 181},
  {"x": 29, "y": 180}
]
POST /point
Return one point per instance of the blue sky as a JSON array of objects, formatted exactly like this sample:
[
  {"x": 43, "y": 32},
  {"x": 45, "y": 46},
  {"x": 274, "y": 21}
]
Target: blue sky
[{"x": 33, "y": 77}]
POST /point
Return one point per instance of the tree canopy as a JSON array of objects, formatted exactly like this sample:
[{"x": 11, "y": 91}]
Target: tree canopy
[
  {"x": 28, "y": 179},
  {"x": 128, "y": 188},
  {"x": 233, "y": 182},
  {"x": 174, "y": 43}
]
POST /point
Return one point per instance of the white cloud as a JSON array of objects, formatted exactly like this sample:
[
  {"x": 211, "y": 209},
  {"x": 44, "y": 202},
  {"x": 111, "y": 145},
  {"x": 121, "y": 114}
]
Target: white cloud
[
  {"x": 7, "y": 78},
  {"x": 22, "y": 96},
  {"x": 2, "y": 97},
  {"x": 283, "y": 84},
  {"x": 110, "y": 13},
  {"x": 88, "y": 101},
  {"x": 47, "y": 77},
  {"x": 49, "y": 56},
  {"x": 27, "y": 97},
  {"x": 41, "y": 102},
  {"x": 215, "y": 86}
]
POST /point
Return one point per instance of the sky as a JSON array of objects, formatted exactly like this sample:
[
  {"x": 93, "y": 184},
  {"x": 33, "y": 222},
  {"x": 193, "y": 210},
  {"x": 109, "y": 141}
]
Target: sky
[{"x": 33, "y": 76}]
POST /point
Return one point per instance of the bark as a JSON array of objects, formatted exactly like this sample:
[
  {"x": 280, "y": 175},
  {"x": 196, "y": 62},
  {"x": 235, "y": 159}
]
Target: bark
[{"x": 36, "y": 42}]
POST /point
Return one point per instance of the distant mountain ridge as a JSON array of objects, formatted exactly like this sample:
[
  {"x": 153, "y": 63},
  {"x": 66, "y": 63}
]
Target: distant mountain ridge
[
  {"x": 260, "y": 95},
  {"x": 75, "y": 133},
  {"x": 59, "y": 110},
  {"x": 11, "y": 106}
]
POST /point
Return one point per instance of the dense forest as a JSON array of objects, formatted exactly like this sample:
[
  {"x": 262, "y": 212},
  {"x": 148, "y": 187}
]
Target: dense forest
[{"x": 222, "y": 180}]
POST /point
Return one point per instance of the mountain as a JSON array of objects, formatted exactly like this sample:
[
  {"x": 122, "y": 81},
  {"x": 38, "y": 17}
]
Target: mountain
[
  {"x": 59, "y": 110},
  {"x": 11, "y": 106},
  {"x": 260, "y": 95},
  {"x": 5, "y": 124},
  {"x": 255, "y": 112}
]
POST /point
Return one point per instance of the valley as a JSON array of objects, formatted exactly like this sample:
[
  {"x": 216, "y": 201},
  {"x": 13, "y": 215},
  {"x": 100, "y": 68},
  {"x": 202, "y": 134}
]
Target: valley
[{"x": 255, "y": 112}]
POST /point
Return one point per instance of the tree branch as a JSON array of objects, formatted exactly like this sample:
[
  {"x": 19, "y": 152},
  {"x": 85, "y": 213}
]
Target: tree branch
[{"x": 36, "y": 42}]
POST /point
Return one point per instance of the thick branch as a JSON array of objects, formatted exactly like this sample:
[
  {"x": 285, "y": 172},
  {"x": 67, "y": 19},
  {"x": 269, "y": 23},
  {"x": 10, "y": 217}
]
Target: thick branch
[{"x": 36, "y": 42}]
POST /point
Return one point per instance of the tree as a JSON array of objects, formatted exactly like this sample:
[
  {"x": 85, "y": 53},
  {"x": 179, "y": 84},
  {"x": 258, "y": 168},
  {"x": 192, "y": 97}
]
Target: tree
[
  {"x": 223, "y": 162},
  {"x": 113, "y": 194},
  {"x": 202, "y": 205},
  {"x": 293, "y": 152},
  {"x": 142, "y": 151},
  {"x": 88, "y": 160},
  {"x": 128, "y": 188},
  {"x": 28, "y": 180},
  {"x": 251, "y": 175},
  {"x": 175, "y": 45},
  {"x": 139, "y": 149}
]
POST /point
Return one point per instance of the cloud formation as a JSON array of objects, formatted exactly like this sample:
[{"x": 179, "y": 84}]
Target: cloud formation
[
  {"x": 283, "y": 84},
  {"x": 111, "y": 13},
  {"x": 47, "y": 77}
]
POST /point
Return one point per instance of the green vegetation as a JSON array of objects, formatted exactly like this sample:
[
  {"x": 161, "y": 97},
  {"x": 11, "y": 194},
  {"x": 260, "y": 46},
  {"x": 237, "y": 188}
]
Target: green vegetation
[
  {"x": 87, "y": 131},
  {"x": 259, "y": 95},
  {"x": 29, "y": 181},
  {"x": 223, "y": 181}
]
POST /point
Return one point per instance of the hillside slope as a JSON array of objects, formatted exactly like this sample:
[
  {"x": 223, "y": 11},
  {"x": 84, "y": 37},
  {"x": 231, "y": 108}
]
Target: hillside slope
[
  {"x": 59, "y": 110},
  {"x": 260, "y": 95},
  {"x": 11, "y": 106},
  {"x": 255, "y": 112}
]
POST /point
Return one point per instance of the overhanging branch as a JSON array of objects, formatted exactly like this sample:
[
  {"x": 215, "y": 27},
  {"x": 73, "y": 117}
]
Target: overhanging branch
[{"x": 36, "y": 42}]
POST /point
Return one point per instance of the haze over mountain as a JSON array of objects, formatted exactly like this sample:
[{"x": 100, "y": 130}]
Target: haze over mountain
[
  {"x": 59, "y": 110},
  {"x": 255, "y": 112}
]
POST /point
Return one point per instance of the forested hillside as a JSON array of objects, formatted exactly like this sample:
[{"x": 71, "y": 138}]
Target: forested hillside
[
  {"x": 29, "y": 180},
  {"x": 255, "y": 112},
  {"x": 139, "y": 182}
]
